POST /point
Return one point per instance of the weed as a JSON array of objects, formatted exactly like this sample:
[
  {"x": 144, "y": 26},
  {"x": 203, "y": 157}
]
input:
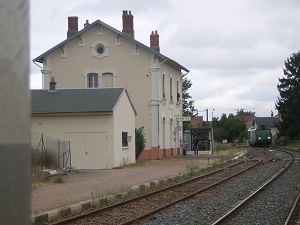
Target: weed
[
  {"x": 59, "y": 179},
  {"x": 95, "y": 196},
  {"x": 37, "y": 180},
  {"x": 191, "y": 169}
]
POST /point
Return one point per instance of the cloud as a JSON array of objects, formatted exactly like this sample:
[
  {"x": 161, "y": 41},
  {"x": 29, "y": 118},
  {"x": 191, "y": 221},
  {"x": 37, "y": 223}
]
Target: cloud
[{"x": 235, "y": 50}]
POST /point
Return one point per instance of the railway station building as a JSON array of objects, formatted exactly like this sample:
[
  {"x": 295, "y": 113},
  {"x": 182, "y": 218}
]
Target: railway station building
[{"x": 100, "y": 56}]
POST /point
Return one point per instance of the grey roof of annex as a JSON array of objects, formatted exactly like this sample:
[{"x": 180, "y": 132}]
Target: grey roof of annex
[{"x": 92, "y": 100}]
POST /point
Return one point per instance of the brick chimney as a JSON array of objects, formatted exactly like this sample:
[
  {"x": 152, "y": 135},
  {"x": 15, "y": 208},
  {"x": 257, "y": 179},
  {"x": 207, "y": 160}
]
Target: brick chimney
[
  {"x": 154, "y": 41},
  {"x": 128, "y": 23},
  {"x": 52, "y": 85},
  {"x": 72, "y": 25}
]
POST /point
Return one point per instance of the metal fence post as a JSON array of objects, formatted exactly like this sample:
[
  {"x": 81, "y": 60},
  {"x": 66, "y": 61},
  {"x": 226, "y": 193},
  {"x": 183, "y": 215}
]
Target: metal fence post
[{"x": 15, "y": 185}]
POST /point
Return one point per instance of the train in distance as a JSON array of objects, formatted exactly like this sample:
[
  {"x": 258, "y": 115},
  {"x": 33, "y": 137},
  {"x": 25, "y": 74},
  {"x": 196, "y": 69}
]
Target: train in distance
[{"x": 259, "y": 136}]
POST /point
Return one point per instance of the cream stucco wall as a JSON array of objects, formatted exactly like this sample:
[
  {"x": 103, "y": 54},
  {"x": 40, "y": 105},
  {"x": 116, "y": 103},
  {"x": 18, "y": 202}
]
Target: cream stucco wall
[
  {"x": 107, "y": 127},
  {"x": 124, "y": 121},
  {"x": 132, "y": 67},
  {"x": 58, "y": 126},
  {"x": 170, "y": 111}
]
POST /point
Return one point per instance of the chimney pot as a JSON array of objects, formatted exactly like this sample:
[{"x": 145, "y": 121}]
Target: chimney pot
[
  {"x": 128, "y": 23},
  {"x": 52, "y": 84},
  {"x": 86, "y": 23},
  {"x": 154, "y": 41},
  {"x": 72, "y": 25}
]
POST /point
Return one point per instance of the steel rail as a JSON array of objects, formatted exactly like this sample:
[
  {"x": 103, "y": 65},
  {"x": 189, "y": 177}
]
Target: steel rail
[
  {"x": 186, "y": 197},
  {"x": 254, "y": 194},
  {"x": 293, "y": 213},
  {"x": 110, "y": 207}
]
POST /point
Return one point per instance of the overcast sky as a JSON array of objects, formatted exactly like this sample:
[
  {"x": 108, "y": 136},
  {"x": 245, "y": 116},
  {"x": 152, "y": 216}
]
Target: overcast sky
[{"x": 234, "y": 49}]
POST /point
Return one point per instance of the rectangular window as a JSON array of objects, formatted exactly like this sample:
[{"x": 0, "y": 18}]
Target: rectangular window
[
  {"x": 163, "y": 87},
  {"x": 171, "y": 89},
  {"x": 124, "y": 139},
  {"x": 92, "y": 80},
  {"x": 178, "y": 94}
]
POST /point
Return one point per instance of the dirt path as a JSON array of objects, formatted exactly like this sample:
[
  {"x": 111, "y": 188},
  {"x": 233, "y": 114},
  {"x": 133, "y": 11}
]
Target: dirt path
[{"x": 82, "y": 186}]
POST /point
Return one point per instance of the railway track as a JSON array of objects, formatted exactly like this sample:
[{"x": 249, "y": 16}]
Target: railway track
[
  {"x": 249, "y": 210},
  {"x": 294, "y": 215},
  {"x": 141, "y": 207}
]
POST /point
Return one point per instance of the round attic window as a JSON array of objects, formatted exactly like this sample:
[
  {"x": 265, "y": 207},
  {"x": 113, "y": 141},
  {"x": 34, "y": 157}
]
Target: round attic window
[{"x": 100, "y": 49}]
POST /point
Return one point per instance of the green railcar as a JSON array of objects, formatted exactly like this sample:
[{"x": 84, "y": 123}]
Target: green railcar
[{"x": 259, "y": 136}]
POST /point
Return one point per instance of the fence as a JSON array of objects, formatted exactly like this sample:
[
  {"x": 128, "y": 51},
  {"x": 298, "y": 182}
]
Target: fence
[{"x": 50, "y": 152}]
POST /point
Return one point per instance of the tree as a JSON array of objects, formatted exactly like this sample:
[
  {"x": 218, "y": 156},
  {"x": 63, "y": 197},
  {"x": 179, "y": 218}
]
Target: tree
[
  {"x": 187, "y": 102},
  {"x": 288, "y": 104},
  {"x": 229, "y": 128},
  {"x": 242, "y": 112}
]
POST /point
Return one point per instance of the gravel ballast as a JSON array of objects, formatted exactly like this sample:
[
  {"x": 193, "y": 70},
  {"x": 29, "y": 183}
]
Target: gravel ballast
[{"x": 209, "y": 210}]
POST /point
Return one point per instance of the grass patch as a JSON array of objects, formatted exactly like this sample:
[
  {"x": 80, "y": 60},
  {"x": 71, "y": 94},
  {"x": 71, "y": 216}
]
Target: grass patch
[
  {"x": 59, "y": 179},
  {"x": 294, "y": 145}
]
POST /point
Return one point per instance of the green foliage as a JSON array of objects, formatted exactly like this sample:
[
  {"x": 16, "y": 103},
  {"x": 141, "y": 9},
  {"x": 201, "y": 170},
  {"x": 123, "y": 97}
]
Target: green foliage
[
  {"x": 187, "y": 102},
  {"x": 43, "y": 158},
  {"x": 58, "y": 179},
  {"x": 288, "y": 104},
  {"x": 229, "y": 128},
  {"x": 192, "y": 169},
  {"x": 242, "y": 112},
  {"x": 140, "y": 141},
  {"x": 188, "y": 106}
]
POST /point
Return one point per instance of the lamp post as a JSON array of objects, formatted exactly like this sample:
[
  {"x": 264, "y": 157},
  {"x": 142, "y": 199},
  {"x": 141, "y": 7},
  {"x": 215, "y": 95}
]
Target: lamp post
[{"x": 212, "y": 131}]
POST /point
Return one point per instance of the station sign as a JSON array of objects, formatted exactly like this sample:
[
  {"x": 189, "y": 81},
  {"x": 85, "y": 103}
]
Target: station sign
[{"x": 186, "y": 118}]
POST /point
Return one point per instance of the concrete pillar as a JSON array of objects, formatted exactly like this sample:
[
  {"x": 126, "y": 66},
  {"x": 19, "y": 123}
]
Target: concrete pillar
[{"x": 15, "y": 173}]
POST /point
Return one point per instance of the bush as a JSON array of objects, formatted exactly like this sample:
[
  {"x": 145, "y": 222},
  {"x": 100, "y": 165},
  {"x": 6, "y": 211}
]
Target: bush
[{"x": 140, "y": 141}]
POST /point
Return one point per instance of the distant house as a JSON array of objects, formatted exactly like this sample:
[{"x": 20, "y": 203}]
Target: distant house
[
  {"x": 272, "y": 122},
  {"x": 196, "y": 122},
  {"x": 101, "y": 56},
  {"x": 99, "y": 123}
]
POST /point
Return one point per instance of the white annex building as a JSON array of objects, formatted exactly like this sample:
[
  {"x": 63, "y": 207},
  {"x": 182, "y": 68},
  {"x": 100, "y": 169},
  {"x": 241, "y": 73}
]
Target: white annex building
[
  {"x": 99, "y": 123},
  {"x": 99, "y": 55}
]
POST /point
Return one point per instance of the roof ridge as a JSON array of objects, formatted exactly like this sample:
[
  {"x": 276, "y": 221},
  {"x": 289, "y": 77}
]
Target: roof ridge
[{"x": 40, "y": 57}]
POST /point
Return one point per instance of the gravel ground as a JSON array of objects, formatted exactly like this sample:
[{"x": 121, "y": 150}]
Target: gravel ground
[
  {"x": 80, "y": 186},
  {"x": 278, "y": 201},
  {"x": 209, "y": 210}
]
